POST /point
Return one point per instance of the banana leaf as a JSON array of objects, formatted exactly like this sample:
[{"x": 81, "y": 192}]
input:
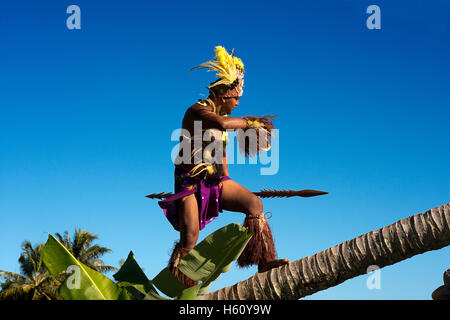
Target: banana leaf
[
  {"x": 135, "y": 291},
  {"x": 134, "y": 280},
  {"x": 215, "y": 254},
  {"x": 191, "y": 293},
  {"x": 131, "y": 272},
  {"x": 168, "y": 284},
  {"x": 85, "y": 283},
  {"x": 205, "y": 262}
]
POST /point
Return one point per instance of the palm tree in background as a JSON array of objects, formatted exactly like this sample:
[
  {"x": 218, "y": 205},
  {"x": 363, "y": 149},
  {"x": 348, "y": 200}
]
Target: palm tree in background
[
  {"x": 82, "y": 249},
  {"x": 34, "y": 281}
]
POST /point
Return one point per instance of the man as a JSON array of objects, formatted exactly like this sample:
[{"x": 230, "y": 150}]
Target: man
[{"x": 203, "y": 187}]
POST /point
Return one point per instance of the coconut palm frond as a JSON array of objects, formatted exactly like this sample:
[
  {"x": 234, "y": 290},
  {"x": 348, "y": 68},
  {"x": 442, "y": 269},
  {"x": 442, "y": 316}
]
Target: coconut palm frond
[
  {"x": 17, "y": 292},
  {"x": 12, "y": 277},
  {"x": 95, "y": 252}
]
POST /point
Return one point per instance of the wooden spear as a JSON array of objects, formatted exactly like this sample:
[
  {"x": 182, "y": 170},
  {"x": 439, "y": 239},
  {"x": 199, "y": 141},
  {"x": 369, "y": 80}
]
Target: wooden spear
[{"x": 263, "y": 194}]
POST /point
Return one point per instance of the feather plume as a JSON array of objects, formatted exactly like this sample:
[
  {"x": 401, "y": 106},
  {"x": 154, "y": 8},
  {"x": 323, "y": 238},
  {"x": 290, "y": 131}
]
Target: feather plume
[{"x": 228, "y": 67}]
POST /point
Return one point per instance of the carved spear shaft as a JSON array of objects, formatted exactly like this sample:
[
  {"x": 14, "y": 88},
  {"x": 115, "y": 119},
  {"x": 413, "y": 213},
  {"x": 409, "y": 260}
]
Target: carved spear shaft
[{"x": 263, "y": 194}]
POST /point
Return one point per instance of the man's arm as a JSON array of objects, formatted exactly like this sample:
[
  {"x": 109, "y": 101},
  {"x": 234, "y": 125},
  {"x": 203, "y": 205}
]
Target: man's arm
[{"x": 212, "y": 120}]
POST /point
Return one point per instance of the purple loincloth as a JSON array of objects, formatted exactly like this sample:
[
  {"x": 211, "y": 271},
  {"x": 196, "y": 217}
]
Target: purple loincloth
[{"x": 207, "y": 191}]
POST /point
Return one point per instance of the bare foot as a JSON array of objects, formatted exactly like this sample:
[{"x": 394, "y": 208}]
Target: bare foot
[{"x": 263, "y": 267}]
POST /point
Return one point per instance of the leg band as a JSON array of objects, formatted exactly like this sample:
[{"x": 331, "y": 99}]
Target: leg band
[
  {"x": 179, "y": 253},
  {"x": 260, "y": 248}
]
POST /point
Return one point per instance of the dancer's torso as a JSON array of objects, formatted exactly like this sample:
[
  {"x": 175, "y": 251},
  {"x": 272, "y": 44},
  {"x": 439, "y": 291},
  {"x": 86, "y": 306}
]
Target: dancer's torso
[{"x": 207, "y": 146}]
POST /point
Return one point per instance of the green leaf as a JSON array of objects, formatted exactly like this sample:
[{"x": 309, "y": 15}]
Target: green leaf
[
  {"x": 135, "y": 291},
  {"x": 153, "y": 295},
  {"x": 203, "y": 290},
  {"x": 134, "y": 280},
  {"x": 131, "y": 271},
  {"x": 168, "y": 284},
  {"x": 190, "y": 293},
  {"x": 215, "y": 254},
  {"x": 84, "y": 283},
  {"x": 205, "y": 262}
]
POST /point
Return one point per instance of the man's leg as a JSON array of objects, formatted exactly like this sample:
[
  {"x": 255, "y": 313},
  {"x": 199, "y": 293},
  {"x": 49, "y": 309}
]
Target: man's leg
[
  {"x": 261, "y": 249},
  {"x": 188, "y": 221},
  {"x": 189, "y": 231}
]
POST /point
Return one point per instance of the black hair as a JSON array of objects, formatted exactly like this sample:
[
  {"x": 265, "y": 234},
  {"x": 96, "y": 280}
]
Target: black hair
[{"x": 221, "y": 89}]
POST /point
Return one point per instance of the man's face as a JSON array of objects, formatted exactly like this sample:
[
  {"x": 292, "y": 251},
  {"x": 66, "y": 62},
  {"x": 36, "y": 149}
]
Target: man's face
[{"x": 229, "y": 103}]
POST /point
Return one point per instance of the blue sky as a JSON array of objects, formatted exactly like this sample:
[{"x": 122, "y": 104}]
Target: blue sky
[{"x": 86, "y": 117}]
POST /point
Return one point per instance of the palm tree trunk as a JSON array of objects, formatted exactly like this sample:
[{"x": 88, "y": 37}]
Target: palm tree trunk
[{"x": 391, "y": 244}]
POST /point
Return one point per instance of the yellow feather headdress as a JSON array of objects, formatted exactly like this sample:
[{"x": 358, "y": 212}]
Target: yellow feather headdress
[{"x": 229, "y": 68}]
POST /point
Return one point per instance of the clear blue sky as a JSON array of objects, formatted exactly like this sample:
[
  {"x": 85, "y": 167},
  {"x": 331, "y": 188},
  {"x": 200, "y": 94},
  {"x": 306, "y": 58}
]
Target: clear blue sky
[{"x": 86, "y": 117}]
